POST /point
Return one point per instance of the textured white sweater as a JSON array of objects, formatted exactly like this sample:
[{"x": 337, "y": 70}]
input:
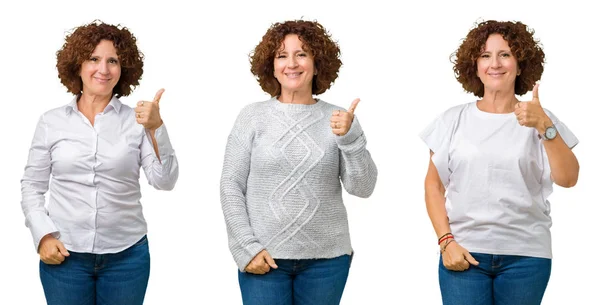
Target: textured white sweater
[{"x": 280, "y": 186}]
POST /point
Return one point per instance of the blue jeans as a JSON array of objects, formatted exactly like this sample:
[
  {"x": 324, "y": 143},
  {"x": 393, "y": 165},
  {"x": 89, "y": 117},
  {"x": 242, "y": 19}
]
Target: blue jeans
[
  {"x": 297, "y": 282},
  {"x": 99, "y": 279},
  {"x": 497, "y": 280}
]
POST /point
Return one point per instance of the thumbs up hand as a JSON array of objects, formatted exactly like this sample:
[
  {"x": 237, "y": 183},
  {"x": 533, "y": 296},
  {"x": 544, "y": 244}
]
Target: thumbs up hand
[
  {"x": 342, "y": 120},
  {"x": 531, "y": 114},
  {"x": 148, "y": 113}
]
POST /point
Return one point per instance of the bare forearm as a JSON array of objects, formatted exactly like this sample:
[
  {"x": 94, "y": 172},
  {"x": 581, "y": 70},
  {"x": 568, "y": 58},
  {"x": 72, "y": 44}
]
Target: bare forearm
[
  {"x": 435, "y": 200},
  {"x": 154, "y": 143},
  {"x": 435, "y": 203},
  {"x": 563, "y": 163}
]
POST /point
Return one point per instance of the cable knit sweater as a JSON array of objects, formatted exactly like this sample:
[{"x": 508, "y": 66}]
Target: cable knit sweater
[{"x": 280, "y": 186}]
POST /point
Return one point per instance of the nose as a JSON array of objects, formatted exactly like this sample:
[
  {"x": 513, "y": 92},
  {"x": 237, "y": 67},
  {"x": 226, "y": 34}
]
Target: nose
[
  {"x": 496, "y": 62},
  {"x": 103, "y": 67},
  {"x": 292, "y": 62}
]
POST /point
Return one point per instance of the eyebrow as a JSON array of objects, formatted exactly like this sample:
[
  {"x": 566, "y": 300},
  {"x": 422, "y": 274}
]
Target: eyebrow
[
  {"x": 295, "y": 51},
  {"x": 484, "y": 51},
  {"x": 109, "y": 57}
]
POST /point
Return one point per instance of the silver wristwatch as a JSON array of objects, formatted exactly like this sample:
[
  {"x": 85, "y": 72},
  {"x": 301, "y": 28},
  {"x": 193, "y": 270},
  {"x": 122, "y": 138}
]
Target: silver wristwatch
[{"x": 550, "y": 133}]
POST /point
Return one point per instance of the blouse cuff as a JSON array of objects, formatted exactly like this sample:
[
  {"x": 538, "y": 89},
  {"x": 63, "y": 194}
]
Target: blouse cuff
[{"x": 41, "y": 225}]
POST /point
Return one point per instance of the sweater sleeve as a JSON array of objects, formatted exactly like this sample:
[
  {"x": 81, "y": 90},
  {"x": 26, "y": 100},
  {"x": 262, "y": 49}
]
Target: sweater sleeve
[
  {"x": 236, "y": 167},
  {"x": 357, "y": 169}
]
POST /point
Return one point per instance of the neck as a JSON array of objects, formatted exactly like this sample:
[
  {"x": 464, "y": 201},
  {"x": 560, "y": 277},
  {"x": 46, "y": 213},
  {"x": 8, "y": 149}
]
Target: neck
[
  {"x": 94, "y": 104},
  {"x": 498, "y": 102},
  {"x": 297, "y": 97}
]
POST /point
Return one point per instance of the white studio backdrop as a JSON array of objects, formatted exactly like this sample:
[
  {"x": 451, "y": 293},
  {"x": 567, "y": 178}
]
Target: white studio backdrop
[{"x": 396, "y": 59}]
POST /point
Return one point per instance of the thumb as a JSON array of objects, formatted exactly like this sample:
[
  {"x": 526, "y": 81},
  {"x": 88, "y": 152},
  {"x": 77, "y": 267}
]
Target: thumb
[
  {"x": 270, "y": 260},
  {"x": 470, "y": 259},
  {"x": 62, "y": 249},
  {"x": 158, "y": 95},
  {"x": 353, "y": 106},
  {"x": 536, "y": 96}
]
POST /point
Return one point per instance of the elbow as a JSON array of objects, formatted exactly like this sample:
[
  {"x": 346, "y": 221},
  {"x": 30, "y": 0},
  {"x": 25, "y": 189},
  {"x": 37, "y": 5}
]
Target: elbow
[
  {"x": 164, "y": 186},
  {"x": 361, "y": 185},
  {"x": 366, "y": 193},
  {"x": 168, "y": 184},
  {"x": 568, "y": 180},
  {"x": 168, "y": 187},
  {"x": 571, "y": 184},
  {"x": 363, "y": 190},
  {"x": 567, "y": 183}
]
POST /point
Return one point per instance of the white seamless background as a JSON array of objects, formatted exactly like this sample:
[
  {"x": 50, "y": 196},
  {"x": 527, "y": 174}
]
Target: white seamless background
[{"x": 396, "y": 59}]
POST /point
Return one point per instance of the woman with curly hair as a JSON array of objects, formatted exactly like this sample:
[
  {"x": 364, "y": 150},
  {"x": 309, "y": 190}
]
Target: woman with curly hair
[
  {"x": 285, "y": 157},
  {"x": 492, "y": 166},
  {"x": 91, "y": 237}
]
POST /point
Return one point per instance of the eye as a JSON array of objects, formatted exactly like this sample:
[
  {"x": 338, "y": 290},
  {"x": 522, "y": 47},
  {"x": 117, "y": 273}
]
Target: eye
[
  {"x": 505, "y": 55},
  {"x": 485, "y": 55},
  {"x": 302, "y": 54},
  {"x": 113, "y": 61},
  {"x": 93, "y": 59},
  {"x": 280, "y": 56}
]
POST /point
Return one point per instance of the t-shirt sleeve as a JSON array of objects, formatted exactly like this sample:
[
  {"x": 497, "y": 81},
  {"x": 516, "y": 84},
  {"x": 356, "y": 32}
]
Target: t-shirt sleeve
[
  {"x": 433, "y": 135},
  {"x": 437, "y": 137},
  {"x": 564, "y": 131}
]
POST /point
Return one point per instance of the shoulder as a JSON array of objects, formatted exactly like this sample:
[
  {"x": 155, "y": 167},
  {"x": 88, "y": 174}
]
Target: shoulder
[
  {"x": 452, "y": 114},
  {"x": 255, "y": 108},
  {"x": 59, "y": 112},
  {"x": 252, "y": 113}
]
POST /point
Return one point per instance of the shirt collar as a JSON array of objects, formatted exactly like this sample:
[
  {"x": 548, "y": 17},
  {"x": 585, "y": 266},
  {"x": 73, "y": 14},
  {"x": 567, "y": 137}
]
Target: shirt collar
[{"x": 113, "y": 104}]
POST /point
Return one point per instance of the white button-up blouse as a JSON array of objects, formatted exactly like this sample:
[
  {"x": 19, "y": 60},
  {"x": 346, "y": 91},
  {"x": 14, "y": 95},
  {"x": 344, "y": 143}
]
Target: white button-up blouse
[{"x": 92, "y": 173}]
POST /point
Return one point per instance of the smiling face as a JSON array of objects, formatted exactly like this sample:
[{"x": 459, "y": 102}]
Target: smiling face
[
  {"x": 101, "y": 72},
  {"x": 496, "y": 66},
  {"x": 294, "y": 67}
]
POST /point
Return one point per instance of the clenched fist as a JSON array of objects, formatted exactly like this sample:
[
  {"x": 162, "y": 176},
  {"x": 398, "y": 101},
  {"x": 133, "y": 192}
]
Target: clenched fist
[
  {"x": 148, "y": 113},
  {"x": 341, "y": 121}
]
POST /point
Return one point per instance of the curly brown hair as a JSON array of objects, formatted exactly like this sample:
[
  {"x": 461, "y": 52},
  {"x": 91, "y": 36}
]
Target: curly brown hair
[
  {"x": 527, "y": 51},
  {"x": 79, "y": 46},
  {"x": 315, "y": 40}
]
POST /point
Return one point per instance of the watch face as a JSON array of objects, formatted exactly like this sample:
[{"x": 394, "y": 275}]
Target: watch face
[{"x": 550, "y": 133}]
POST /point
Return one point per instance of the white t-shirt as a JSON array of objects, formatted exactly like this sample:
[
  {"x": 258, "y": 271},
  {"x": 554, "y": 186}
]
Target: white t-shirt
[{"x": 497, "y": 178}]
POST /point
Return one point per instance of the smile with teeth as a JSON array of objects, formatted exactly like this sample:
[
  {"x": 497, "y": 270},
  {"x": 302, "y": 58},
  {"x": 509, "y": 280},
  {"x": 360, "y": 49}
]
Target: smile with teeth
[{"x": 293, "y": 75}]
